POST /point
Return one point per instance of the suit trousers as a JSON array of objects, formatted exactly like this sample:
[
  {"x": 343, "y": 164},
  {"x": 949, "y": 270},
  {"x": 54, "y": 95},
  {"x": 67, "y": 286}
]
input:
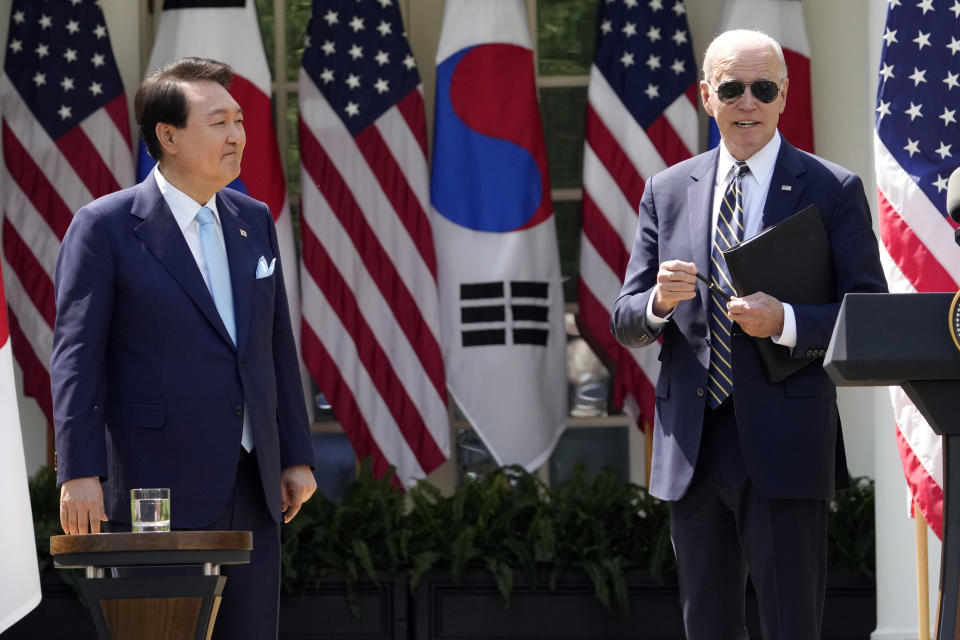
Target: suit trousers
[
  {"x": 723, "y": 527},
  {"x": 251, "y": 597},
  {"x": 249, "y": 608}
]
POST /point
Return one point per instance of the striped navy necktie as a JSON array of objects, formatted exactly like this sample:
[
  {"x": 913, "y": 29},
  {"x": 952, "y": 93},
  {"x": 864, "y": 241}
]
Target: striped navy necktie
[{"x": 729, "y": 233}]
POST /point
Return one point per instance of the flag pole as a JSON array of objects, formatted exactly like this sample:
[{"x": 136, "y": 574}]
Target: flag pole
[{"x": 923, "y": 581}]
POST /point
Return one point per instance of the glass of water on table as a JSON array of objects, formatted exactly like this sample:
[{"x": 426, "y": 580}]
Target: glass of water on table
[{"x": 149, "y": 510}]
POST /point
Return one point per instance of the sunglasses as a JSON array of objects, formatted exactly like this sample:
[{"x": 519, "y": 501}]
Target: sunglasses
[{"x": 763, "y": 90}]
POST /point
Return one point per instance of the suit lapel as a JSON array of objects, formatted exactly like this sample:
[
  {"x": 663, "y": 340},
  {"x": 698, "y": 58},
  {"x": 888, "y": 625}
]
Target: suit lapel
[
  {"x": 699, "y": 200},
  {"x": 786, "y": 186},
  {"x": 236, "y": 238},
  {"x": 161, "y": 235}
]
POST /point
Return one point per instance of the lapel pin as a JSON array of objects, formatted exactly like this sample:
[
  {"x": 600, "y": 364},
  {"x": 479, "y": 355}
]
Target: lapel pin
[
  {"x": 786, "y": 187},
  {"x": 243, "y": 233}
]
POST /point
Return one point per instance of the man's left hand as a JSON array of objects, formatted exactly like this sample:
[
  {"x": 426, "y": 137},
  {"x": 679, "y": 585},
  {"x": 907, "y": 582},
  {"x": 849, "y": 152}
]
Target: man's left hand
[
  {"x": 758, "y": 314},
  {"x": 297, "y": 484}
]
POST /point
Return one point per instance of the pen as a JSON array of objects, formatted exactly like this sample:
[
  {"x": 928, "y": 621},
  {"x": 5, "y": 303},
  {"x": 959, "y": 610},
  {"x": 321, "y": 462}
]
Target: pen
[{"x": 723, "y": 294}]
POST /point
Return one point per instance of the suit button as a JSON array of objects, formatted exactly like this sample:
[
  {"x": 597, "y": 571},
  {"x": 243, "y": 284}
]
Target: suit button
[
  {"x": 700, "y": 391},
  {"x": 238, "y": 410}
]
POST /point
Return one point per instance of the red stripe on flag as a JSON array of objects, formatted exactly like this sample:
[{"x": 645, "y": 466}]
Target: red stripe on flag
[
  {"x": 412, "y": 109},
  {"x": 909, "y": 253},
  {"x": 117, "y": 110},
  {"x": 36, "y": 378},
  {"x": 612, "y": 157},
  {"x": 405, "y": 203},
  {"x": 693, "y": 94},
  {"x": 668, "y": 144},
  {"x": 336, "y": 192},
  {"x": 34, "y": 184},
  {"x": 34, "y": 279},
  {"x": 76, "y": 147},
  {"x": 605, "y": 239},
  {"x": 926, "y": 492},
  {"x": 325, "y": 372},
  {"x": 341, "y": 299},
  {"x": 629, "y": 377},
  {"x": 796, "y": 122},
  {"x": 261, "y": 172}
]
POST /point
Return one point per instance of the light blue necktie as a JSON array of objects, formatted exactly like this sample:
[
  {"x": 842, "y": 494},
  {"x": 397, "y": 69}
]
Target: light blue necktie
[
  {"x": 218, "y": 281},
  {"x": 218, "y": 273}
]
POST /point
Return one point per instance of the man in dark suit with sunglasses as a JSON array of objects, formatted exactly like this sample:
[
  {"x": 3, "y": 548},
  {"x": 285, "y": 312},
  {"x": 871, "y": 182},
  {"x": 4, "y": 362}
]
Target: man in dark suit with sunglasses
[{"x": 749, "y": 465}]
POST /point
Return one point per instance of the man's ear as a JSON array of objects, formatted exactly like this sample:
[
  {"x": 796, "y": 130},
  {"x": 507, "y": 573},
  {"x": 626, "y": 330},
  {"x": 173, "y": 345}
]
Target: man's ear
[
  {"x": 705, "y": 97},
  {"x": 783, "y": 94},
  {"x": 166, "y": 135}
]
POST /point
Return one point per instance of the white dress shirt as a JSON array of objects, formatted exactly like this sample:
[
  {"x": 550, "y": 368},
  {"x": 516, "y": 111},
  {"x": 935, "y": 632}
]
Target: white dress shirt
[
  {"x": 755, "y": 185},
  {"x": 185, "y": 210}
]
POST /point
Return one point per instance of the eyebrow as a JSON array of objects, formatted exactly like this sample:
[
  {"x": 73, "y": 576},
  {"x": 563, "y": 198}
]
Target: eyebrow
[{"x": 215, "y": 112}]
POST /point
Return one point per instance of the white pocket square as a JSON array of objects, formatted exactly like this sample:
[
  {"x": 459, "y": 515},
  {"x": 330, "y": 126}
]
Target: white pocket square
[{"x": 263, "y": 269}]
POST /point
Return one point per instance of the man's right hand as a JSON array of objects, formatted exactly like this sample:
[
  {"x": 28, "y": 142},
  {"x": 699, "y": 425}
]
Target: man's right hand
[
  {"x": 81, "y": 506},
  {"x": 676, "y": 281}
]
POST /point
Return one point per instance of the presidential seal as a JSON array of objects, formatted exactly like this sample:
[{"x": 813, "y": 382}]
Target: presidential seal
[{"x": 954, "y": 319}]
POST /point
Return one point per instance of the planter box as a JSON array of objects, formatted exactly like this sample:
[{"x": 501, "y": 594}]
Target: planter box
[
  {"x": 474, "y": 609},
  {"x": 322, "y": 613},
  {"x": 445, "y": 610}
]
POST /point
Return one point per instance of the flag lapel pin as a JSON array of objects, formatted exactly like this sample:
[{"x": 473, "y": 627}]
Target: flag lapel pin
[
  {"x": 786, "y": 187},
  {"x": 243, "y": 233}
]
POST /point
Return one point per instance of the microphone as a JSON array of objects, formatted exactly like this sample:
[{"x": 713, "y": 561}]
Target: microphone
[{"x": 953, "y": 195}]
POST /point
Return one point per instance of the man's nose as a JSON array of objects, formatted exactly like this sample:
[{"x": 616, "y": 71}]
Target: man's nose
[
  {"x": 235, "y": 133},
  {"x": 747, "y": 100}
]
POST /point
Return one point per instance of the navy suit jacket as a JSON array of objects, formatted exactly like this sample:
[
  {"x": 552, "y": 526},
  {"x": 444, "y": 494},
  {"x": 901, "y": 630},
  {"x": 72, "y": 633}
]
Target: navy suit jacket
[
  {"x": 148, "y": 387},
  {"x": 789, "y": 431}
]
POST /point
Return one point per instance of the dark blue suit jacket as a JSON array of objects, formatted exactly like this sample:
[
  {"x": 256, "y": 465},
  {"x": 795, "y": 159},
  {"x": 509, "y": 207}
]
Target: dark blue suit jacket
[
  {"x": 789, "y": 431},
  {"x": 148, "y": 388}
]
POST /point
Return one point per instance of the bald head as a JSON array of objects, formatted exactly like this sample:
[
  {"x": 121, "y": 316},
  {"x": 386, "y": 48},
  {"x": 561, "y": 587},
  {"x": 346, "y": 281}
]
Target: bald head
[{"x": 730, "y": 43}]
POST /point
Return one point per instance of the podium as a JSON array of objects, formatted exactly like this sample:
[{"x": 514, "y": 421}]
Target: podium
[
  {"x": 904, "y": 340},
  {"x": 153, "y": 607}
]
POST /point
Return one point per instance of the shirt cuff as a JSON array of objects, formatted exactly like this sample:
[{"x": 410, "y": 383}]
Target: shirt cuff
[
  {"x": 787, "y": 337},
  {"x": 653, "y": 319}
]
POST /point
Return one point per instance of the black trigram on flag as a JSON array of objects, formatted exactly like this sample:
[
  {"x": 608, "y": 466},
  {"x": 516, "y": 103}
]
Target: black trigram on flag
[{"x": 489, "y": 313}]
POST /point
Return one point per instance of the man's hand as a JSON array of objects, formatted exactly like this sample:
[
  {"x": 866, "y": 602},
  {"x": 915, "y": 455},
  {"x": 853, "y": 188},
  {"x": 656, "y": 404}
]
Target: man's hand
[
  {"x": 758, "y": 314},
  {"x": 297, "y": 484},
  {"x": 676, "y": 281},
  {"x": 81, "y": 506}
]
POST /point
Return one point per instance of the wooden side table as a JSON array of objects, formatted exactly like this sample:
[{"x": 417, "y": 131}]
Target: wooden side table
[{"x": 146, "y": 607}]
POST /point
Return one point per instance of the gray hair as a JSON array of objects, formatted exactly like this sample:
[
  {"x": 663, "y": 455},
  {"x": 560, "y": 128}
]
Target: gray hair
[{"x": 729, "y": 39}]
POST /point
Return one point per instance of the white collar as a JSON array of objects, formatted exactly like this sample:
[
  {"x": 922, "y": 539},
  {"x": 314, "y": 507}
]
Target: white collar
[
  {"x": 761, "y": 163},
  {"x": 184, "y": 207}
]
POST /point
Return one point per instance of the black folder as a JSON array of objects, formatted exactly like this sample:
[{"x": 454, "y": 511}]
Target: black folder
[{"x": 792, "y": 262}]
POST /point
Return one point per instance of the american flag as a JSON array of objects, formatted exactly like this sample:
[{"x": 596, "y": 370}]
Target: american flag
[
  {"x": 641, "y": 118},
  {"x": 917, "y": 136},
  {"x": 66, "y": 141},
  {"x": 370, "y": 333}
]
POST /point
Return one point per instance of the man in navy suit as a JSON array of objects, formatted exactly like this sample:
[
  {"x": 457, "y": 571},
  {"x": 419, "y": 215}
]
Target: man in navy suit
[
  {"x": 748, "y": 464},
  {"x": 168, "y": 371}
]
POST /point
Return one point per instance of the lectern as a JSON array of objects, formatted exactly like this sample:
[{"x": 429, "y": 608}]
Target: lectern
[
  {"x": 153, "y": 607},
  {"x": 905, "y": 340}
]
